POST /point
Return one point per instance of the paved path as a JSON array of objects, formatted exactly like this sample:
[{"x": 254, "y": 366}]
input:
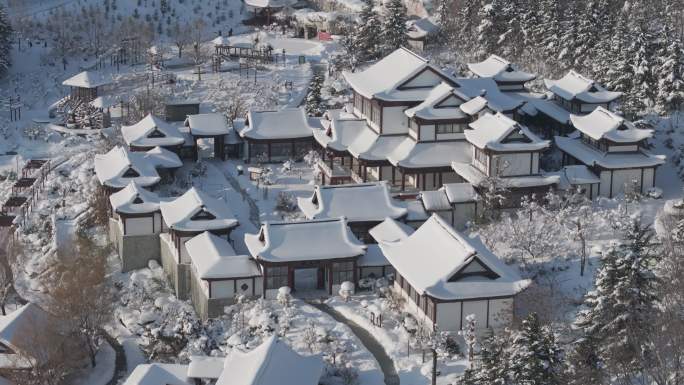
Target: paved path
[
  {"x": 120, "y": 363},
  {"x": 373, "y": 346}
]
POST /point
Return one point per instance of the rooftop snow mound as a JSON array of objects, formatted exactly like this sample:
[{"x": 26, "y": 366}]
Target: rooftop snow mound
[
  {"x": 156, "y": 374},
  {"x": 87, "y": 79},
  {"x": 365, "y": 202},
  {"x": 215, "y": 258},
  {"x": 272, "y": 362},
  {"x": 211, "y": 124},
  {"x": 288, "y": 123},
  {"x": 576, "y": 86},
  {"x": 501, "y": 70},
  {"x": 434, "y": 258},
  {"x": 501, "y": 133},
  {"x": 134, "y": 199},
  {"x": 302, "y": 241},
  {"x": 197, "y": 211},
  {"x": 119, "y": 167},
  {"x": 604, "y": 124},
  {"x": 152, "y": 131}
]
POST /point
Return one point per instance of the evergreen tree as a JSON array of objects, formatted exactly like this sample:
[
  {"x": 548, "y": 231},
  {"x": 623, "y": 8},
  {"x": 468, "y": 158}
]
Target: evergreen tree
[
  {"x": 367, "y": 33},
  {"x": 620, "y": 307},
  {"x": 546, "y": 36},
  {"x": 670, "y": 65},
  {"x": 492, "y": 26},
  {"x": 569, "y": 38},
  {"x": 536, "y": 358},
  {"x": 494, "y": 363},
  {"x": 584, "y": 363},
  {"x": 394, "y": 27},
  {"x": 466, "y": 25},
  {"x": 314, "y": 103},
  {"x": 5, "y": 42}
]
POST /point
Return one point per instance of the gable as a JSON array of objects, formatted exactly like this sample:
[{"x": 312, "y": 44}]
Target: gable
[
  {"x": 156, "y": 134},
  {"x": 130, "y": 173},
  {"x": 517, "y": 136},
  {"x": 203, "y": 215},
  {"x": 427, "y": 78},
  {"x": 138, "y": 200},
  {"x": 449, "y": 101},
  {"x": 474, "y": 268}
]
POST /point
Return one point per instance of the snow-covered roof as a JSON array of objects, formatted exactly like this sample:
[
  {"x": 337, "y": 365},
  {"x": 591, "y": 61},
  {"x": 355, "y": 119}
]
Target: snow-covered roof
[
  {"x": 87, "y": 79},
  {"x": 269, "y": 3},
  {"x": 488, "y": 89},
  {"x": 212, "y": 124},
  {"x": 338, "y": 133},
  {"x": 579, "y": 174},
  {"x": 206, "y": 367},
  {"x": 302, "y": 241},
  {"x": 460, "y": 192},
  {"x": 383, "y": 80},
  {"x": 436, "y": 200},
  {"x": 160, "y": 157},
  {"x": 197, "y": 211},
  {"x": 604, "y": 124},
  {"x": 370, "y": 146},
  {"x": 421, "y": 28},
  {"x": 213, "y": 257},
  {"x": 501, "y": 70},
  {"x": 105, "y": 101},
  {"x": 159, "y": 374},
  {"x": 390, "y": 230},
  {"x": 16, "y": 330},
  {"x": 152, "y": 131},
  {"x": 471, "y": 174},
  {"x": 221, "y": 40},
  {"x": 413, "y": 155},
  {"x": 134, "y": 199},
  {"x": 445, "y": 264},
  {"x": 552, "y": 110},
  {"x": 365, "y": 202},
  {"x": 272, "y": 362},
  {"x": 119, "y": 167},
  {"x": 288, "y": 123},
  {"x": 501, "y": 133},
  {"x": 373, "y": 257},
  {"x": 430, "y": 108},
  {"x": 576, "y": 86},
  {"x": 590, "y": 156},
  {"x": 473, "y": 106}
]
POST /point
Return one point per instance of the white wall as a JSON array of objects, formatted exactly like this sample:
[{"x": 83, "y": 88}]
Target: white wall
[
  {"x": 449, "y": 316},
  {"x": 648, "y": 179},
  {"x": 184, "y": 256},
  {"x": 222, "y": 289},
  {"x": 512, "y": 164},
  {"x": 451, "y": 177},
  {"x": 427, "y": 132},
  {"x": 605, "y": 183},
  {"x": 394, "y": 121},
  {"x": 623, "y": 148},
  {"x": 139, "y": 226},
  {"x": 463, "y": 213},
  {"x": 454, "y": 136},
  {"x": 621, "y": 177},
  {"x": 500, "y": 312}
]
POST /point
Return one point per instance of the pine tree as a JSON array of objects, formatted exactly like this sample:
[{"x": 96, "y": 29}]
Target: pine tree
[
  {"x": 584, "y": 363},
  {"x": 494, "y": 362},
  {"x": 314, "y": 103},
  {"x": 5, "y": 42},
  {"x": 491, "y": 27},
  {"x": 546, "y": 36},
  {"x": 394, "y": 27},
  {"x": 670, "y": 65},
  {"x": 536, "y": 358},
  {"x": 620, "y": 307},
  {"x": 466, "y": 25},
  {"x": 367, "y": 33}
]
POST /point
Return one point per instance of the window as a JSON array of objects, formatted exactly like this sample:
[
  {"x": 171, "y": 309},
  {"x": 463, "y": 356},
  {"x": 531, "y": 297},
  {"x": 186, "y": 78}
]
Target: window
[
  {"x": 366, "y": 107},
  {"x": 598, "y": 144},
  {"x": 131, "y": 173},
  {"x": 375, "y": 113},
  {"x": 156, "y": 134},
  {"x": 276, "y": 277},
  {"x": 358, "y": 101},
  {"x": 480, "y": 156},
  {"x": 203, "y": 215},
  {"x": 450, "y": 128},
  {"x": 343, "y": 271}
]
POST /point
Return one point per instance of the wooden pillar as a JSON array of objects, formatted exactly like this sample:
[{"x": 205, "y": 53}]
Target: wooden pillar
[
  {"x": 330, "y": 278},
  {"x": 365, "y": 173},
  {"x": 403, "y": 181}
]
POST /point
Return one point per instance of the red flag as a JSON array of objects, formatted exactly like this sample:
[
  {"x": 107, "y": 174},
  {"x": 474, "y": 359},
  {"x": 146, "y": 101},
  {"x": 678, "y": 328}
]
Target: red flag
[{"x": 324, "y": 36}]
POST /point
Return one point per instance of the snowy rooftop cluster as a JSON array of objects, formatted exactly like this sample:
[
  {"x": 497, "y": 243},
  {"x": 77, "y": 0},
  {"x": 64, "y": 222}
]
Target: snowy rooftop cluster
[
  {"x": 87, "y": 79},
  {"x": 604, "y": 124},
  {"x": 214, "y": 258},
  {"x": 119, "y": 167},
  {"x": 576, "y": 86},
  {"x": 134, "y": 199},
  {"x": 207, "y": 125},
  {"x": 197, "y": 211},
  {"x": 448, "y": 195},
  {"x": 501, "y": 70},
  {"x": 272, "y": 362},
  {"x": 16, "y": 330},
  {"x": 501, "y": 133},
  {"x": 288, "y": 123}
]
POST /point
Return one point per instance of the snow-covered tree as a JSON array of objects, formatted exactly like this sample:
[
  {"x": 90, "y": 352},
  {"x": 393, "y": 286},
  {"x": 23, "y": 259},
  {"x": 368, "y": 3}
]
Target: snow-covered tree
[
  {"x": 670, "y": 68},
  {"x": 470, "y": 336},
  {"x": 536, "y": 358},
  {"x": 622, "y": 305},
  {"x": 314, "y": 103},
  {"x": 5, "y": 42},
  {"x": 367, "y": 34},
  {"x": 493, "y": 367},
  {"x": 394, "y": 26}
]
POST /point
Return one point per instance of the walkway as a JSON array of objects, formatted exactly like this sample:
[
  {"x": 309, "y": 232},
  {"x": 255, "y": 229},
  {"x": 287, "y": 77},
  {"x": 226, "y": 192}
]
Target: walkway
[
  {"x": 254, "y": 213},
  {"x": 373, "y": 346},
  {"x": 120, "y": 363}
]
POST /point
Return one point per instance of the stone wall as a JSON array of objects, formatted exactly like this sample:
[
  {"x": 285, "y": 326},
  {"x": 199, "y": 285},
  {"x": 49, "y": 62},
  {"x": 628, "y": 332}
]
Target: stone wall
[
  {"x": 135, "y": 251},
  {"x": 178, "y": 274}
]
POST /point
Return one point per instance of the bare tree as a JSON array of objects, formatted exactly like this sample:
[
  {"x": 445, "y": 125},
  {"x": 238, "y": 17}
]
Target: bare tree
[
  {"x": 181, "y": 36},
  {"x": 79, "y": 294},
  {"x": 197, "y": 35}
]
